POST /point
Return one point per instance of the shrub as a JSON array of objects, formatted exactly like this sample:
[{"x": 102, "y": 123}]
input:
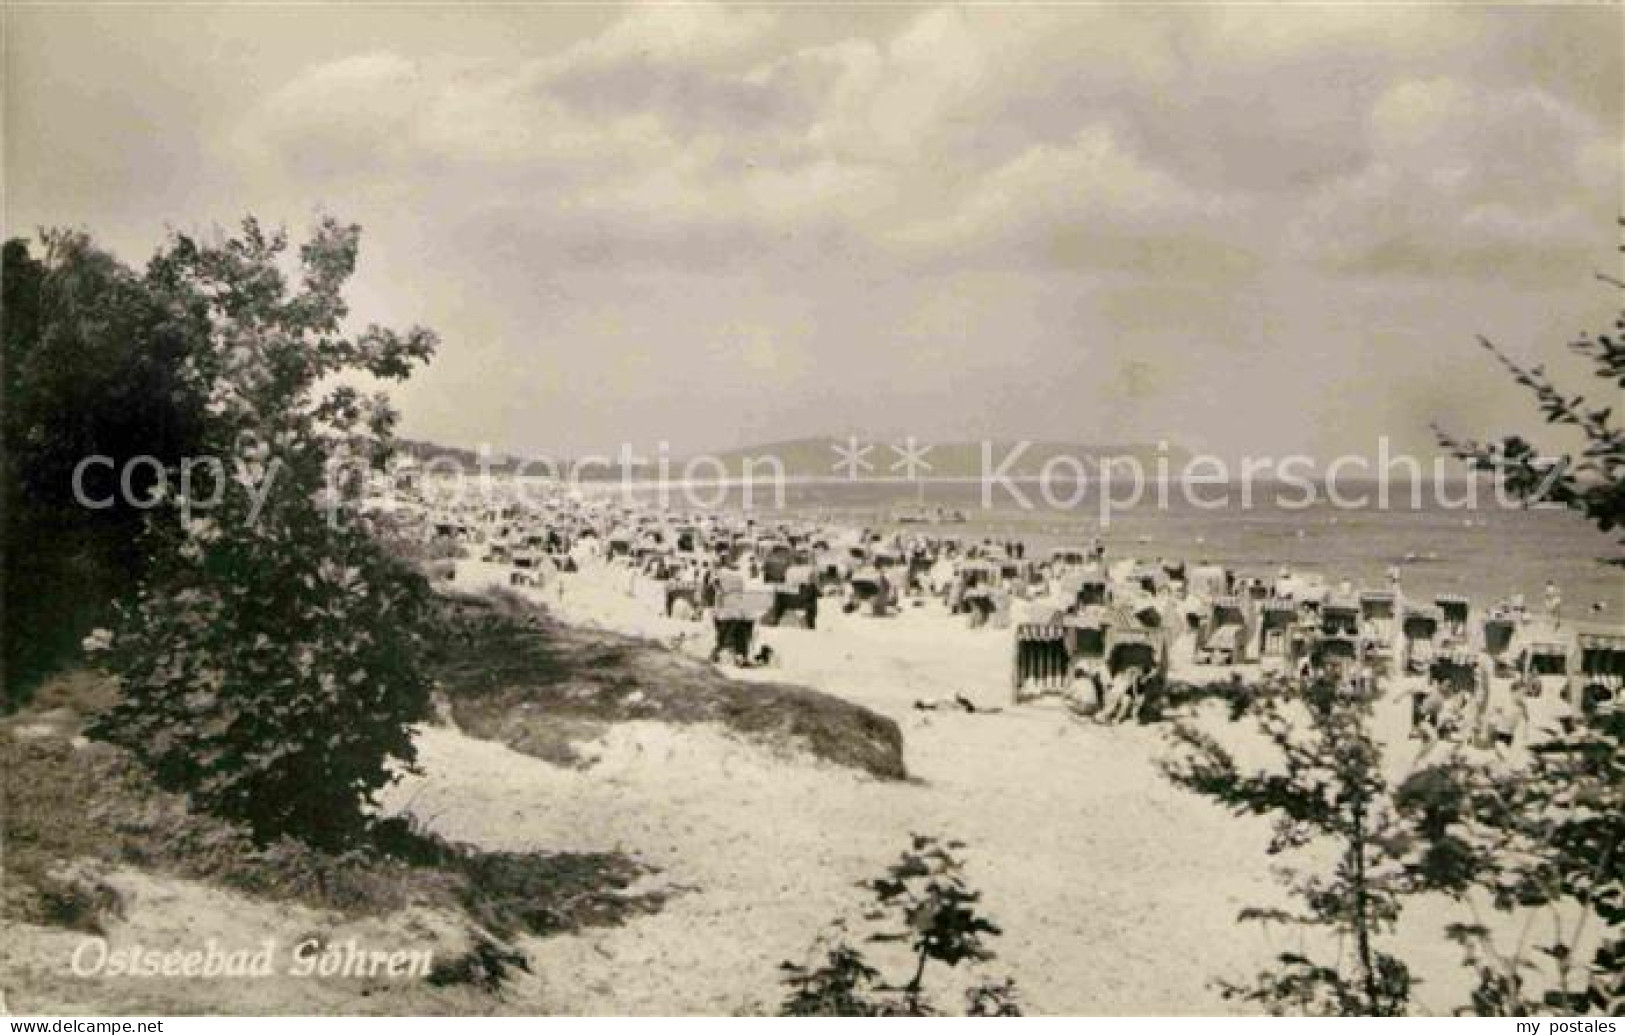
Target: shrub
[
  {"x": 85, "y": 809},
  {"x": 1543, "y": 840},
  {"x": 1549, "y": 838},
  {"x": 269, "y": 664},
  {"x": 1328, "y": 786},
  {"x": 92, "y": 367},
  {"x": 934, "y": 913}
]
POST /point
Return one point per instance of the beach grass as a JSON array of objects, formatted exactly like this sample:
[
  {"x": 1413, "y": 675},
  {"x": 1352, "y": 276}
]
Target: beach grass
[
  {"x": 513, "y": 674},
  {"x": 75, "y": 807}
]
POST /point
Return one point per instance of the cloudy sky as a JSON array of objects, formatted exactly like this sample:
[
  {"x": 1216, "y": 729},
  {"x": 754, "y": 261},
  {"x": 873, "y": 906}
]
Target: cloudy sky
[{"x": 1239, "y": 228}]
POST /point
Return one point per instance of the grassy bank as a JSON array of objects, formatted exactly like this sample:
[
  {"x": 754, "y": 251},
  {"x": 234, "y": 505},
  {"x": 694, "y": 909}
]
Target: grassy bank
[
  {"x": 514, "y": 675},
  {"x": 73, "y": 808},
  {"x": 92, "y": 845}
]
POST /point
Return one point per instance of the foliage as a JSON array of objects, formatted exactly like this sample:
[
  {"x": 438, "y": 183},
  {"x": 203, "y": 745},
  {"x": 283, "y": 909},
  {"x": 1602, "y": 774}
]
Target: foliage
[
  {"x": 92, "y": 367},
  {"x": 932, "y": 911},
  {"x": 1542, "y": 839},
  {"x": 88, "y": 807},
  {"x": 1591, "y": 482},
  {"x": 1174, "y": 699},
  {"x": 270, "y": 661},
  {"x": 844, "y": 985},
  {"x": 1328, "y": 786},
  {"x": 1546, "y": 838},
  {"x": 487, "y": 965},
  {"x": 993, "y": 999}
]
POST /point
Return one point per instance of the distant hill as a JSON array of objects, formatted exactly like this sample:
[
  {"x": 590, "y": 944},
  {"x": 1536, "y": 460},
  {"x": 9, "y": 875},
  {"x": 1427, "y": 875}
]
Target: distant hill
[
  {"x": 821, "y": 457},
  {"x": 466, "y": 460}
]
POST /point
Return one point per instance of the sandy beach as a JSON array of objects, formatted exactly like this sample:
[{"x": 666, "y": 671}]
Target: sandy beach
[
  {"x": 1117, "y": 892},
  {"x": 1103, "y": 875}
]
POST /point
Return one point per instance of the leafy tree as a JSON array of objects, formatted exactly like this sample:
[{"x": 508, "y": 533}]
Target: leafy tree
[
  {"x": 1590, "y": 482},
  {"x": 932, "y": 911},
  {"x": 93, "y": 368},
  {"x": 1546, "y": 838},
  {"x": 270, "y": 662},
  {"x": 1328, "y": 787},
  {"x": 1544, "y": 841}
]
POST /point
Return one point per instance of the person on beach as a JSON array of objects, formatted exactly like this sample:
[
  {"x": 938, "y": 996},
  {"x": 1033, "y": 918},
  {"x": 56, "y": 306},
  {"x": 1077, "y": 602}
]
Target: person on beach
[
  {"x": 1123, "y": 696},
  {"x": 1554, "y": 605},
  {"x": 1507, "y": 714},
  {"x": 1359, "y": 682},
  {"x": 1087, "y": 694},
  {"x": 1283, "y": 584},
  {"x": 1427, "y": 711},
  {"x": 1559, "y": 712},
  {"x": 1109, "y": 689}
]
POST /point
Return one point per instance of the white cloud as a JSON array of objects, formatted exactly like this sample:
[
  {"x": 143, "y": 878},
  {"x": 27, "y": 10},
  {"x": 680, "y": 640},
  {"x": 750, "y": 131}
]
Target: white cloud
[
  {"x": 1285, "y": 35},
  {"x": 354, "y": 114},
  {"x": 1468, "y": 181},
  {"x": 1072, "y": 138},
  {"x": 1083, "y": 202},
  {"x": 683, "y": 33}
]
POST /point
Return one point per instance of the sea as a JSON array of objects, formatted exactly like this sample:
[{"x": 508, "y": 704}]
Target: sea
[{"x": 1488, "y": 552}]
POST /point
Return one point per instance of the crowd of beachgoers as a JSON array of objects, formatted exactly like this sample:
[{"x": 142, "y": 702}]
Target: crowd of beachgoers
[{"x": 1103, "y": 633}]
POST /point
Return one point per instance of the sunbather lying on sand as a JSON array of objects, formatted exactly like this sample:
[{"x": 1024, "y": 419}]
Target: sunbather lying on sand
[{"x": 957, "y": 702}]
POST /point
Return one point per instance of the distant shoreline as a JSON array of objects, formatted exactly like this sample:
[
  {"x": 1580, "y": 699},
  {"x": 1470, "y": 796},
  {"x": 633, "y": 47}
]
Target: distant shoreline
[{"x": 731, "y": 481}]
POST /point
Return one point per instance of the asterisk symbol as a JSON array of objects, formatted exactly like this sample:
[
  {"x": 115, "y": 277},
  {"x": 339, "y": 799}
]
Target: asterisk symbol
[
  {"x": 852, "y": 458},
  {"x": 911, "y": 458}
]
